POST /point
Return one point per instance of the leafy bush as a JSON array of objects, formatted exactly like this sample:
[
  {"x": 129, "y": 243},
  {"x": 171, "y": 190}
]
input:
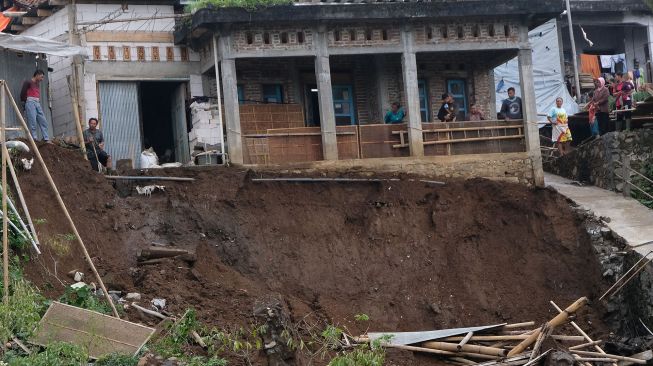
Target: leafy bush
[
  {"x": 245, "y": 4},
  {"x": 83, "y": 297},
  {"x": 21, "y": 315},
  {"x": 57, "y": 354}
]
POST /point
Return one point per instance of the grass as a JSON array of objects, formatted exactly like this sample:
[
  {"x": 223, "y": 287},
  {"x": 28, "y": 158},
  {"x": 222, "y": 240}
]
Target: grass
[
  {"x": 61, "y": 243},
  {"x": 244, "y": 4}
]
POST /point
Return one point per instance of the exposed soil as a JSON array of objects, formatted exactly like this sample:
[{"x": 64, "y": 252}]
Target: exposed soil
[{"x": 411, "y": 255}]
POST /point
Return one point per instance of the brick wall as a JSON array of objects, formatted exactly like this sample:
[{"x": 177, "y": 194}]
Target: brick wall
[
  {"x": 259, "y": 118},
  {"x": 466, "y": 32},
  {"x": 376, "y": 80}
]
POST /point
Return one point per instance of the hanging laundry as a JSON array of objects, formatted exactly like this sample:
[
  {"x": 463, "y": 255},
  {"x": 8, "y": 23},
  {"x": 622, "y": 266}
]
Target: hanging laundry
[{"x": 589, "y": 64}]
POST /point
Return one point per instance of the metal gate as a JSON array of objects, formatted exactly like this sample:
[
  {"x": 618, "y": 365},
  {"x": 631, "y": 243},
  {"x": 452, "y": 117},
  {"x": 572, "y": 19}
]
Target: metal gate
[{"x": 120, "y": 120}]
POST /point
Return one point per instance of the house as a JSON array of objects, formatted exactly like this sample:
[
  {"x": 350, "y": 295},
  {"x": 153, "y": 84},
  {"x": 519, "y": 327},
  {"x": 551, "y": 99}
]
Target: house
[
  {"x": 312, "y": 81},
  {"x": 614, "y": 27},
  {"x": 135, "y": 79}
]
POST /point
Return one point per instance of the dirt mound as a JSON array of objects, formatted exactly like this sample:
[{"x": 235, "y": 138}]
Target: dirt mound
[{"x": 411, "y": 255}]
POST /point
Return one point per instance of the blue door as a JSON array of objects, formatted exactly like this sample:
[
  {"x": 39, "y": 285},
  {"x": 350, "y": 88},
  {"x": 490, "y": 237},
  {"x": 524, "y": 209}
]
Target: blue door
[
  {"x": 343, "y": 105},
  {"x": 423, "y": 100},
  {"x": 456, "y": 87}
]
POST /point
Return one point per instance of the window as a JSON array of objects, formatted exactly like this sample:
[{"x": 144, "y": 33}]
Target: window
[
  {"x": 457, "y": 87},
  {"x": 343, "y": 105},
  {"x": 423, "y": 100},
  {"x": 241, "y": 94},
  {"x": 272, "y": 93}
]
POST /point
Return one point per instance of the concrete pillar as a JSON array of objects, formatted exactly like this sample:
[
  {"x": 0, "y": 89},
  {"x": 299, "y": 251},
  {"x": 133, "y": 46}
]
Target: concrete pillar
[
  {"x": 529, "y": 111},
  {"x": 325, "y": 98},
  {"x": 382, "y": 86},
  {"x": 411, "y": 90},
  {"x": 647, "y": 65},
  {"x": 231, "y": 106}
]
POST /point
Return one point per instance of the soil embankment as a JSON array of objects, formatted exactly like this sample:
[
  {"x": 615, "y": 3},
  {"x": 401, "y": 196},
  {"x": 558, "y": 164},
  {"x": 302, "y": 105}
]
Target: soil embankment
[{"x": 412, "y": 256}]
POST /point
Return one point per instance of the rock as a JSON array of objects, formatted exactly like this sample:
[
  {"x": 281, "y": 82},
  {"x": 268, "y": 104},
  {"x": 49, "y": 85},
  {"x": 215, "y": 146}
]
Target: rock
[
  {"x": 608, "y": 273},
  {"x": 78, "y": 276},
  {"x": 133, "y": 296},
  {"x": 435, "y": 308}
]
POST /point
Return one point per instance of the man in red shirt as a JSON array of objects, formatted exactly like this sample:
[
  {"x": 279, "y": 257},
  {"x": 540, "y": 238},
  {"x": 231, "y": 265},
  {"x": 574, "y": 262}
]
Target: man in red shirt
[{"x": 30, "y": 95}]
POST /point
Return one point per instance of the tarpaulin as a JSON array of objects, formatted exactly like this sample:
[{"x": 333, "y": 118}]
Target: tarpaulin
[
  {"x": 548, "y": 77},
  {"x": 39, "y": 45}
]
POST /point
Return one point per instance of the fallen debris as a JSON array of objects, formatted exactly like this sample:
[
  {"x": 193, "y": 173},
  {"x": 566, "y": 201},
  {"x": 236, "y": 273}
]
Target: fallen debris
[{"x": 523, "y": 347}]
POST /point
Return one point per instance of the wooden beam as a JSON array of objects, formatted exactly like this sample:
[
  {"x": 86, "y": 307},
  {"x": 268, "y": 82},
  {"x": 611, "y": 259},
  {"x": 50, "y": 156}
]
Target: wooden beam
[
  {"x": 30, "y": 20},
  {"x": 147, "y": 37},
  {"x": 43, "y": 12}
]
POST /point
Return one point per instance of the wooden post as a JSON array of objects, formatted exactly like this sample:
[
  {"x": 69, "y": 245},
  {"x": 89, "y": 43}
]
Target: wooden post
[
  {"x": 558, "y": 320},
  {"x": 5, "y": 241},
  {"x": 60, "y": 201},
  {"x": 78, "y": 122},
  {"x": 625, "y": 172}
]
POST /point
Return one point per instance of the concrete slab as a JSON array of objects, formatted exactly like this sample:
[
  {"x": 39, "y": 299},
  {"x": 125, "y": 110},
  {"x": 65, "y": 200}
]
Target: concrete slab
[{"x": 628, "y": 218}]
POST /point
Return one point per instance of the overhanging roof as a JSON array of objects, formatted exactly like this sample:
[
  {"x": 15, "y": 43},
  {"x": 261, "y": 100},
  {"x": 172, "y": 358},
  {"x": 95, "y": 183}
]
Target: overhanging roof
[{"x": 534, "y": 12}]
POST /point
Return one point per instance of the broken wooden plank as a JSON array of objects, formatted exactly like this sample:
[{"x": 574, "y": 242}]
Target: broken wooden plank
[
  {"x": 516, "y": 337},
  {"x": 464, "y": 341},
  {"x": 159, "y": 253},
  {"x": 100, "y": 334}
]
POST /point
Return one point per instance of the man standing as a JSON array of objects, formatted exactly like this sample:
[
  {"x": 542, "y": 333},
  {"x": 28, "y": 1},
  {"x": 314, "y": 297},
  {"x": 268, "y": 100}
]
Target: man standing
[
  {"x": 30, "y": 95},
  {"x": 511, "y": 108},
  {"x": 447, "y": 111},
  {"x": 94, "y": 141}
]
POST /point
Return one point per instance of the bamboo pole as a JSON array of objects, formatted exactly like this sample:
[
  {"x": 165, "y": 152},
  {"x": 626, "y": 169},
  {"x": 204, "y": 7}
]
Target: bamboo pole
[
  {"x": 23, "y": 204},
  {"x": 579, "y": 330},
  {"x": 469, "y": 348},
  {"x": 440, "y": 352},
  {"x": 557, "y": 320},
  {"x": 522, "y": 337},
  {"x": 624, "y": 276},
  {"x": 581, "y": 346},
  {"x": 519, "y": 325},
  {"x": 464, "y": 341},
  {"x": 612, "y": 357},
  {"x": 5, "y": 241},
  {"x": 60, "y": 201}
]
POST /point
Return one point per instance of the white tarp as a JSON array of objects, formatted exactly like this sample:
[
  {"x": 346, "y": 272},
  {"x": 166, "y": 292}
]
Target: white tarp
[
  {"x": 39, "y": 45},
  {"x": 549, "y": 79}
]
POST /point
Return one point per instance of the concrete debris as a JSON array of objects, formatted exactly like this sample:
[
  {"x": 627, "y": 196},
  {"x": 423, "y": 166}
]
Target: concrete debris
[
  {"x": 133, "y": 296},
  {"x": 78, "y": 276},
  {"x": 27, "y": 164},
  {"x": 159, "y": 303},
  {"x": 147, "y": 190}
]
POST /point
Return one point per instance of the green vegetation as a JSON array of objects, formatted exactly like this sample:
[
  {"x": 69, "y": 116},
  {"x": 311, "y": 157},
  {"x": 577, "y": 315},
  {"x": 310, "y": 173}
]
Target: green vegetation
[
  {"x": 57, "y": 354},
  {"x": 83, "y": 297},
  {"x": 245, "y": 4}
]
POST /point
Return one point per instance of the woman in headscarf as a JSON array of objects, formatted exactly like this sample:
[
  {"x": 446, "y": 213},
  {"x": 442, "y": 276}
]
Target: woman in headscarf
[
  {"x": 561, "y": 134},
  {"x": 600, "y": 103}
]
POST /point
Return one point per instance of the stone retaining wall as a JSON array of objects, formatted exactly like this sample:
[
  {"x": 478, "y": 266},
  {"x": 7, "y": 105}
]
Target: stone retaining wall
[{"x": 594, "y": 162}]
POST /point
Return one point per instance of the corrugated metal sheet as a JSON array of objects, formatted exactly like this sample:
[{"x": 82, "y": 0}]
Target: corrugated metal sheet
[
  {"x": 16, "y": 67},
  {"x": 120, "y": 120}
]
